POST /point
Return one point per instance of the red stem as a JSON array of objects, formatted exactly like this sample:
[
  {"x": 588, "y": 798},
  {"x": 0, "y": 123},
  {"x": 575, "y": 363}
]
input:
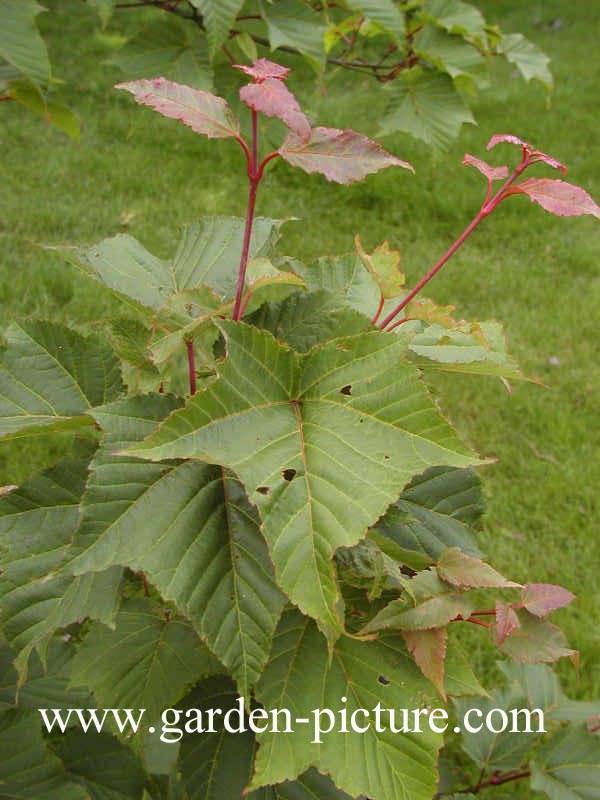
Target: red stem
[
  {"x": 398, "y": 323},
  {"x": 491, "y": 612},
  {"x": 254, "y": 176},
  {"x": 487, "y": 207},
  {"x": 378, "y": 312},
  {"x": 191, "y": 365}
]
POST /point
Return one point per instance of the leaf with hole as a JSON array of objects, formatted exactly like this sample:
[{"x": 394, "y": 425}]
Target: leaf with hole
[{"x": 293, "y": 415}]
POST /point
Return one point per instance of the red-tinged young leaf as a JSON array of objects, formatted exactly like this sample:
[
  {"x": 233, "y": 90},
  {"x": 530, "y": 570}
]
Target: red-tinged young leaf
[
  {"x": 433, "y": 613},
  {"x": 507, "y": 621},
  {"x": 203, "y": 112},
  {"x": 491, "y": 173},
  {"x": 263, "y": 68},
  {"x": 497, "y": 138},
  {"x": 543, "y": 598},
  {"x": 536, "y": 641},
  {"x": 464, "y": 571},
  {"x": 535, "y": 155},
  {"x": 552, "y": 162},
  {"x": 384, "y": 265},
  {"x": 557, "y": 197},
  {"x": 428, "y": 648},
  {"x": 343, "y": 156},
  {"x": 272, "y": 98}
]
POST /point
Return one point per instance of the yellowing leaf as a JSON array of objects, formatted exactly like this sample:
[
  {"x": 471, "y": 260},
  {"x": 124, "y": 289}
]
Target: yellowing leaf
[{"x": 384, "y": 265}]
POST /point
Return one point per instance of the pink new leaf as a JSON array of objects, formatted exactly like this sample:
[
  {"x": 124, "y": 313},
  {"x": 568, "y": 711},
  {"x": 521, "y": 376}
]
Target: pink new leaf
[
  {"x": 491, "y": 173},
  {"x": 203, "y": 112},
  {"x": 497, "y": 138},
  {"x": 343, "y": 156},
  {"x": 263, "y": 68},
  {"x": 543, "y": 598},
  {"x": 271, "y": 97},
  {"x": 428, "y": 648},
  {"x": 557, "y": 197},
  {"x": 533, "y": 154},
  {"x": 507, "y": 621}
]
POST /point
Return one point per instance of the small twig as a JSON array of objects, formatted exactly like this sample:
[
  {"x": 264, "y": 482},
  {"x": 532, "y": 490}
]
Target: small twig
[{"x": 145, "y": 581}]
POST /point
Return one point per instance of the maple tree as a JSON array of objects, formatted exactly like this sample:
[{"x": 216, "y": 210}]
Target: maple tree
[{"x": 264, "y": 501}]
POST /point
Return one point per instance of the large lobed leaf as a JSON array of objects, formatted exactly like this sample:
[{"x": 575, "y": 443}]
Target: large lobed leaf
[
  {"x": 300, "y": 677},
  {"x": 299, "y": 431},
  {"x": 147, "y": 661},
  {"x": 196, "y": 538}
]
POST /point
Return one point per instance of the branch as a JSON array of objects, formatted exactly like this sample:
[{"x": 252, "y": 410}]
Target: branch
[{"x": 497, "y": 779}]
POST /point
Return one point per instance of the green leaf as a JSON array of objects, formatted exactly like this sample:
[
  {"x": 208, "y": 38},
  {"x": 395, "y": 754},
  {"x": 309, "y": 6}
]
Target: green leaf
[
  {"x": 345, "y": 279},
  {"x": 460, "y": 679},
  {"x": 47, "y": 684},
  {"x": 104, "y": 9},
  {"x": 126, "y": 667},
  {"x": 105, "y": 768},
  {"x": 166, "y": 48},
  {"x": 467, "y": 572},
  {"x": 216, "y": 765},
  {"x": 190, "y": 528},
  {"x": 298, "y": 431},
  {"x": 536, "y": 641},
  {"x": 427, "y": 517},
  {"x": 20, "y": 42},
  {"x": 539, "y": 683},
  {"x": 266, "y": 283},
  {"x": 385, "y": 13},
  {"x": 576, "y": 711},
  {"x": 27, "y": 768},
  {"x": 447, "y": 350},
  {"x": 426, "y": 105},
  {"x": 208, "y": 253},
  {"x": 304, "y": 320},
  {"x": 300, "y": 677},
  {"x": 292, "y": 23},
  {"x": 457, "y": 17},
  {"x": 531, "y": 62},
  {"x": 51, "y": 376},
  {"x": 433, "y": 613},
  {"x": 451, "y": 54},
  {"x": 496, "y": 751},
  {"x": 219, "y": 765},
  {"x": 37, "y": 523},
  {"x": 218, "y": 17},
  {"x": 568, "y": 766},
  {"x": 52, "y": 111}
]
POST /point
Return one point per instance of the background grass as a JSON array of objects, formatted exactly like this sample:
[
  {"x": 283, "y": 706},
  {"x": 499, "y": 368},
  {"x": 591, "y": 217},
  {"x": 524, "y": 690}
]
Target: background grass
[{"x": 538, "y": 274}]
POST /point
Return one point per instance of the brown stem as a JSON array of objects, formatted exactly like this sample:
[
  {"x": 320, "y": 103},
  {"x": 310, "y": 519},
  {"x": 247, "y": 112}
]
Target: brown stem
[
  {"x": 146, "y": 587},
  {"x": 191, "y": 365}
]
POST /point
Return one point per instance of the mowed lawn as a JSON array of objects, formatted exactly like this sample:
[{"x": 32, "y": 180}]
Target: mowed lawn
[{"x": 135, "y": 172}]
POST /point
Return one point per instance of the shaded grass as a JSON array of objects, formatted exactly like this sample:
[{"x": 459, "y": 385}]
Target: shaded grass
[{"x": 135, "y": 172}]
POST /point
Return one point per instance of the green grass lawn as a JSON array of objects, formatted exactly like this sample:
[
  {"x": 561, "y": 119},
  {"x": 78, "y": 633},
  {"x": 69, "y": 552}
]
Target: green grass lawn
[{"x": 135, "y": 172}]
